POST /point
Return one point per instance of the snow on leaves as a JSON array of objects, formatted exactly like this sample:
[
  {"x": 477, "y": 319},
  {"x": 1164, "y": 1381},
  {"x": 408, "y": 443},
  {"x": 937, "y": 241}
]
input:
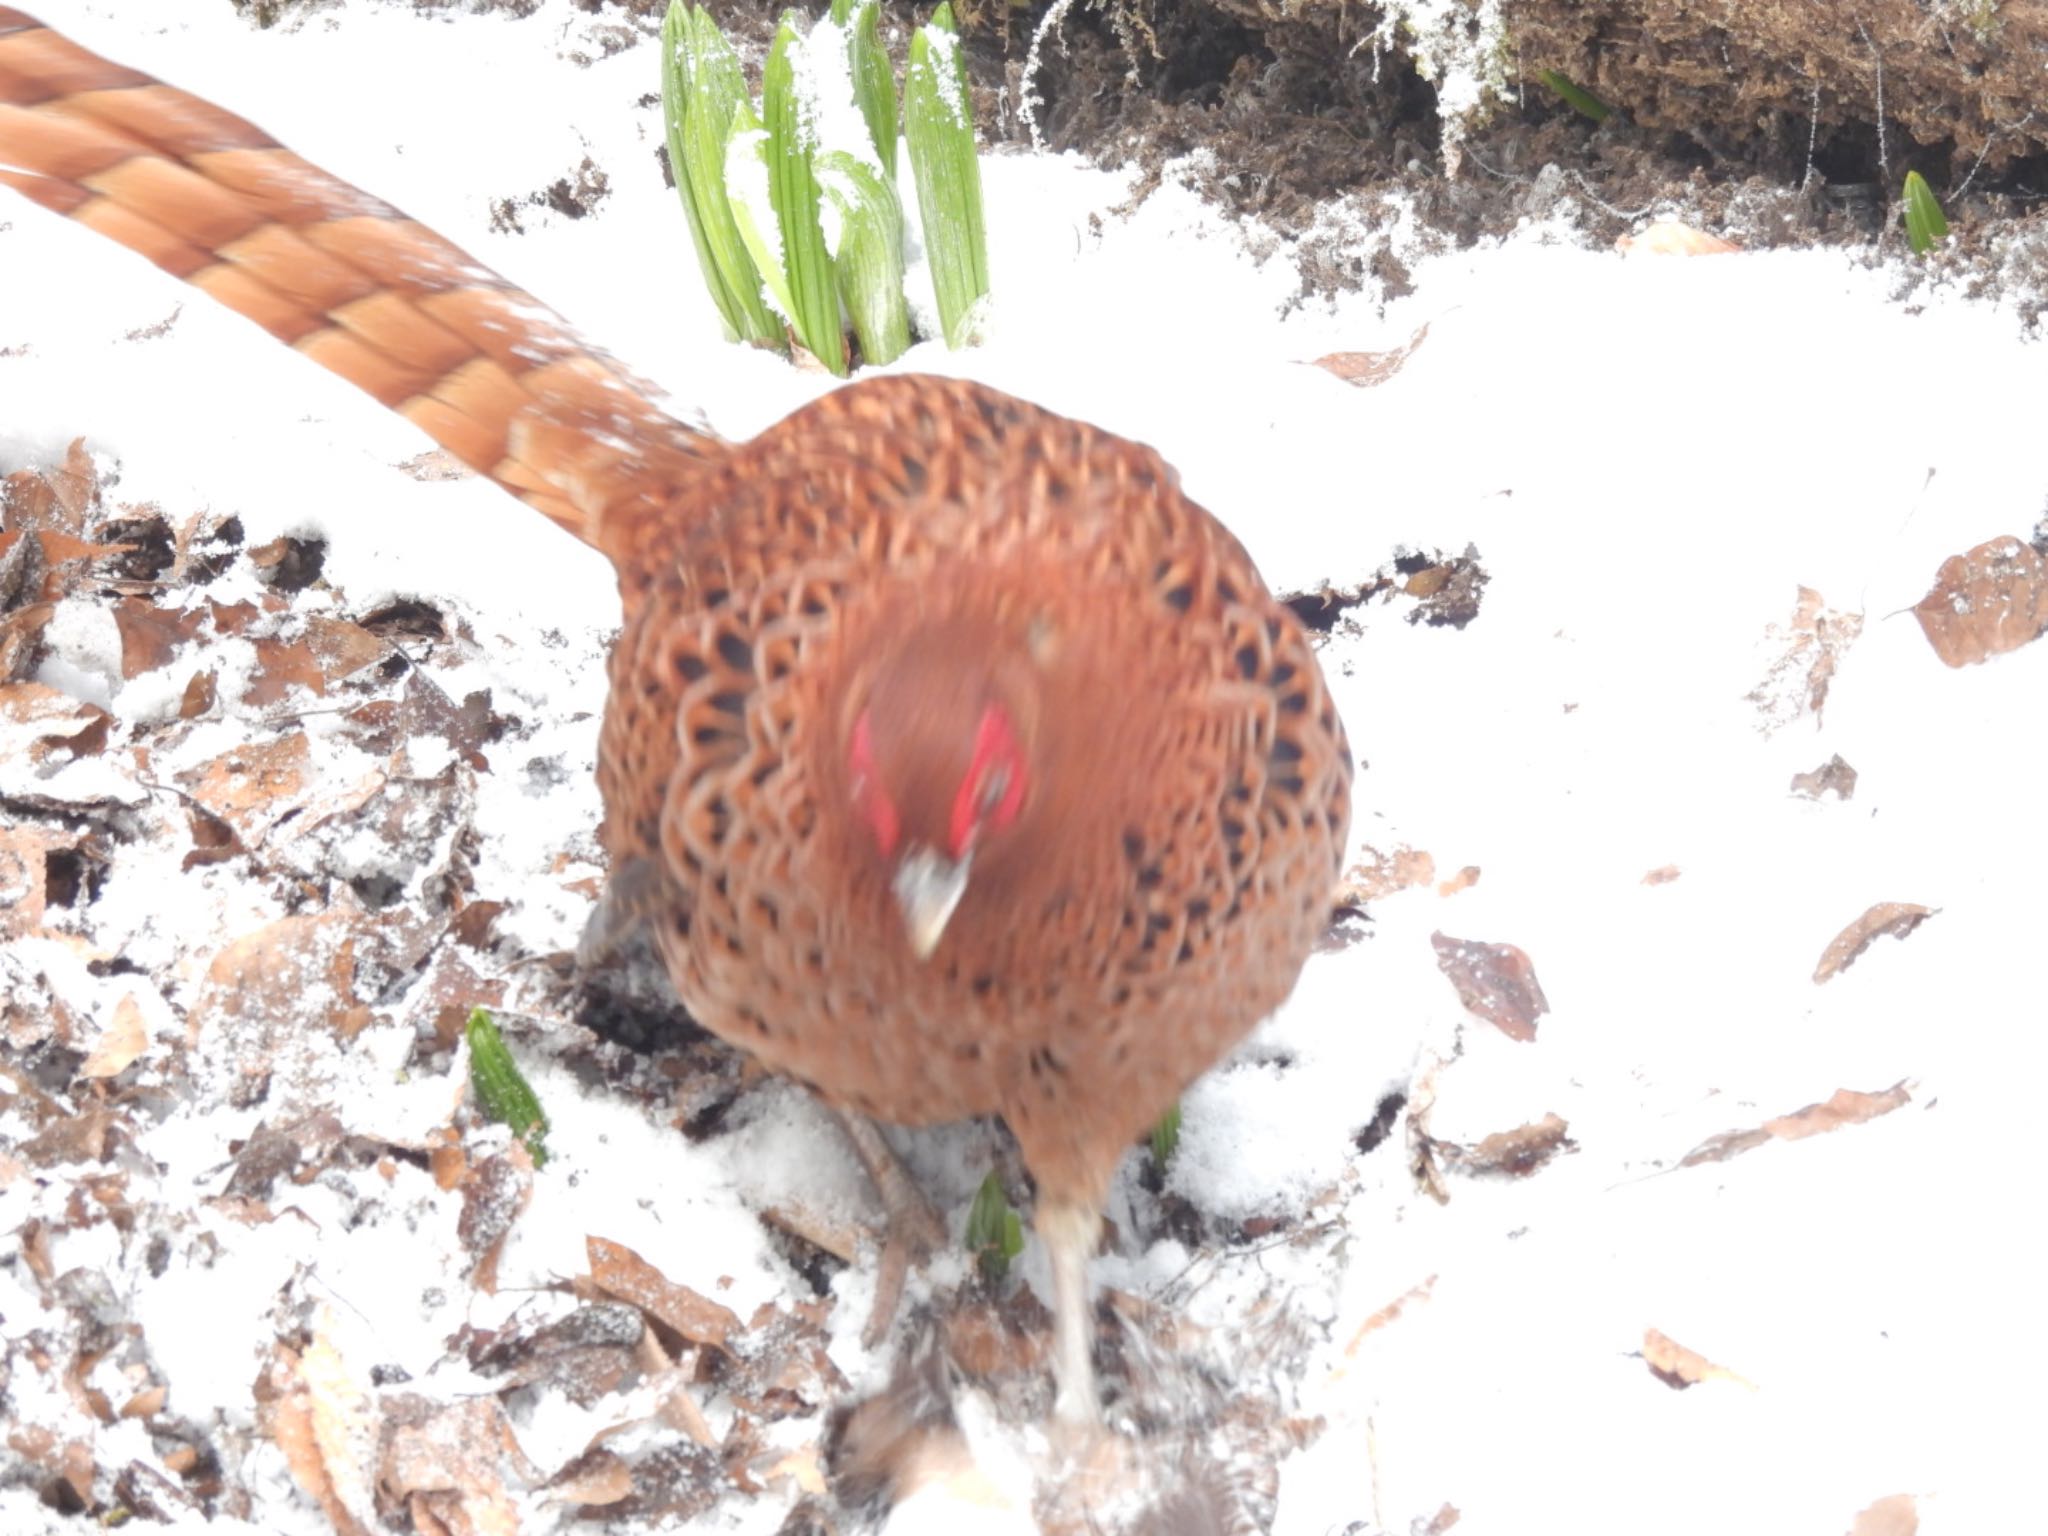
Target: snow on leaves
[{"x": 1804, "y": 654}]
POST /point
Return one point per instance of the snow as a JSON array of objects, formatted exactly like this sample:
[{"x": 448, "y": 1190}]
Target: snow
[{"x": 1651, "y": 457}]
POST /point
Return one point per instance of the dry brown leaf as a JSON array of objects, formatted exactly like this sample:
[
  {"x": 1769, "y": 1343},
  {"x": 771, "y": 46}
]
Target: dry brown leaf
[
  {"x": 1897, "y": 1514},
  {"x": 1382, "y": 874},
  {"x": 1365, "y": 369},
  {"x": 801, "y": 1468},
  {"x": 76, "y": 485},
  {"x": 1833, "y": 777},
  {"x": 493, "y": 1195},
  {"x": 1846, "y": 1106},
  {"x": 200, "y": 694},
  {"x": 24, "y": 873},
  {"x": 1390, "y": 1313},
  {"x": 21, "y": 636},
  {"x": 1896, "y": 918},
  {"x": 597, "y": 1477},
  {"x": 1463, "y": 880},
  {"x": 447, "y": 1462},
  {"x": 1496, "y": 982},
  {"x": 1664, "y": 874},
  {"x": 449, "y": 1163},
  {"x": 54, "y": 499},
  {"x": 63, "y": 549},
  {"x": 328, "y": 650},
  {"x": 39, "y": 719},
  {"x": 89, "y": 740},
  {"x": 290, "y": 1416},
  {"x": 68, "y": 1460},
  {"x": 254, "y": 785},
  {"x": 147, "y": 1403},
  {"x": 1679, "y": 1367},
  {"x": 1984, "y": 603},
  {"x": 1809, "y": 648},
  {"x": 152, "y": 635},
  {"x": 213, "y": 840},
  {"x": 620, "y": 1272},
  {"x": 1671, "y": 238},
  {"x": 832, "y": 1233},
  {"x": 678, "y": 1406},
  {"x": 79, "y": 1138},
  {"x": 1517, "y": 1153},
  {"x": 342, "y": 646},
  {"x": 232, "y": 618},
  {"x": 282, "y": 666},
  {"x": 22, "y": 570},
  {"x": 266, "y": 985},
  {"x": 445, "y": 994},
  {"x": 124, "y": 1039}
]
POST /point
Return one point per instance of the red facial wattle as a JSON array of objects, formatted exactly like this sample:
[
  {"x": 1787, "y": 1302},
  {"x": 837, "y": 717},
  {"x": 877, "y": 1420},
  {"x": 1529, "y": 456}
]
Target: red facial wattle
[
  {"x": 869, "y": 798},
  {"x": 993, "y": 791}
]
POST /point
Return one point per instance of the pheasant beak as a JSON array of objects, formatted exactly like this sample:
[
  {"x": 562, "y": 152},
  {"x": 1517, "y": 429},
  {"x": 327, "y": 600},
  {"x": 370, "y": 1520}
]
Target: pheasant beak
[{"x": 928, "y": 888}]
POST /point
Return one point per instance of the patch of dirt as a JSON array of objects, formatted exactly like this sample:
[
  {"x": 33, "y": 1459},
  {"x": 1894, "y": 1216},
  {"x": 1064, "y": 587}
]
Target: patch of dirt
[
  {"x": 1775, "y": 124},
  {"x": 573, "y": 196}
]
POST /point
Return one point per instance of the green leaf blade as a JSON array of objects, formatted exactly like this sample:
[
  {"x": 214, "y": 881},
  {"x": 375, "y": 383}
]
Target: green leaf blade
[
  {"x": 719, "y": 90},
  {"x": 502, "y": 1092},
  {"x": 938, "y": 122},
  {"x": 995, "y": 1232},
  {"x": 1926, "y": 225},
  {"x": 793, "y": 192},
  {"x": 1166, "y": 1138},
  {"x": 700, "y": 77},
  {"x": 869, "y": 259},
  {"x": 874, "y": 84},
  {"x": 1577, "y": 97},
  {"x": 749, "y": 185}
]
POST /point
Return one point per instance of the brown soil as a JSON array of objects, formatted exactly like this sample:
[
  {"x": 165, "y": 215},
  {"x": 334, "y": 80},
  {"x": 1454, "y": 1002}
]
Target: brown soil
[{"x": 1758, "y": 120}]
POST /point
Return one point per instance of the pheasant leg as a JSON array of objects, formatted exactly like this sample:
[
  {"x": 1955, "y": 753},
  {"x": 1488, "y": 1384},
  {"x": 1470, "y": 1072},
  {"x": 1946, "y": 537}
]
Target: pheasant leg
[
  {"x": 912, "y": 1231},
  {"x": 1070, "y": 1233}
]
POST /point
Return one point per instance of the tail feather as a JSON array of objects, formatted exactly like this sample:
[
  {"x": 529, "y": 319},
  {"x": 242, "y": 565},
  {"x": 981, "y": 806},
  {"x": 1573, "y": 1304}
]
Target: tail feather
[{"x": 498, "y": 380}]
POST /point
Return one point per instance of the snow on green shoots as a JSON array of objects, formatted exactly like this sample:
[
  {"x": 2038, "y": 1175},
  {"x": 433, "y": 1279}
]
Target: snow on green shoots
[{"x": 940, "y": 128}]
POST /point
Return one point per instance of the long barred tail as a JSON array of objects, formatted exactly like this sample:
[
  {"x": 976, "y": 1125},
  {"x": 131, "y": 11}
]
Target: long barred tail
[{"x": 493, "y": 376}]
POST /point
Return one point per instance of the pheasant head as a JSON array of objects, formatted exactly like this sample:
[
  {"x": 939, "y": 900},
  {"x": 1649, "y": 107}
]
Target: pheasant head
[{"x": 940, "y": 763}]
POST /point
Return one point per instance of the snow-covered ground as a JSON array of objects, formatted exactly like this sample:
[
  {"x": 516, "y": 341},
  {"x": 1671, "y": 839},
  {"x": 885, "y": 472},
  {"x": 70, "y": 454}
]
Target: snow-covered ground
[{"x": 1649, "y": 457}]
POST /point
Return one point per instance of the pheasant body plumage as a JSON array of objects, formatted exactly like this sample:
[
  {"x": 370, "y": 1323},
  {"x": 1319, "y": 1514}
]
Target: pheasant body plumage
[
  {"x": 1173, "y": 858},
  {"x": 918, "y": 620}
]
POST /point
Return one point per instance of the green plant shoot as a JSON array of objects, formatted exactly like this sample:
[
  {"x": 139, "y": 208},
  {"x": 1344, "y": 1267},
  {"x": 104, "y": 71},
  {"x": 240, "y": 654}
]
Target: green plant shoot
[
  {"x": 793, "y": 193},
  {"x": 1577, "y": 97},
  {"x": 1926, "y": 227},
  {"x": 1166, "y": 1137},
  {"x": 939, "y": 123},
  {"x": 700, "y": 85},
  {"x": 501, "y": 1092},
  {"x": 869, "y": 262},
  {"x": 874, "y": 81},
  {"x": 995, "y": 1233},
  {"x": 747, "y": 184}
]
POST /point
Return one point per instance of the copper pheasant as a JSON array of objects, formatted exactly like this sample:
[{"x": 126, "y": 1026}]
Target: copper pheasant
[{"x": 955, "y": 761}]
